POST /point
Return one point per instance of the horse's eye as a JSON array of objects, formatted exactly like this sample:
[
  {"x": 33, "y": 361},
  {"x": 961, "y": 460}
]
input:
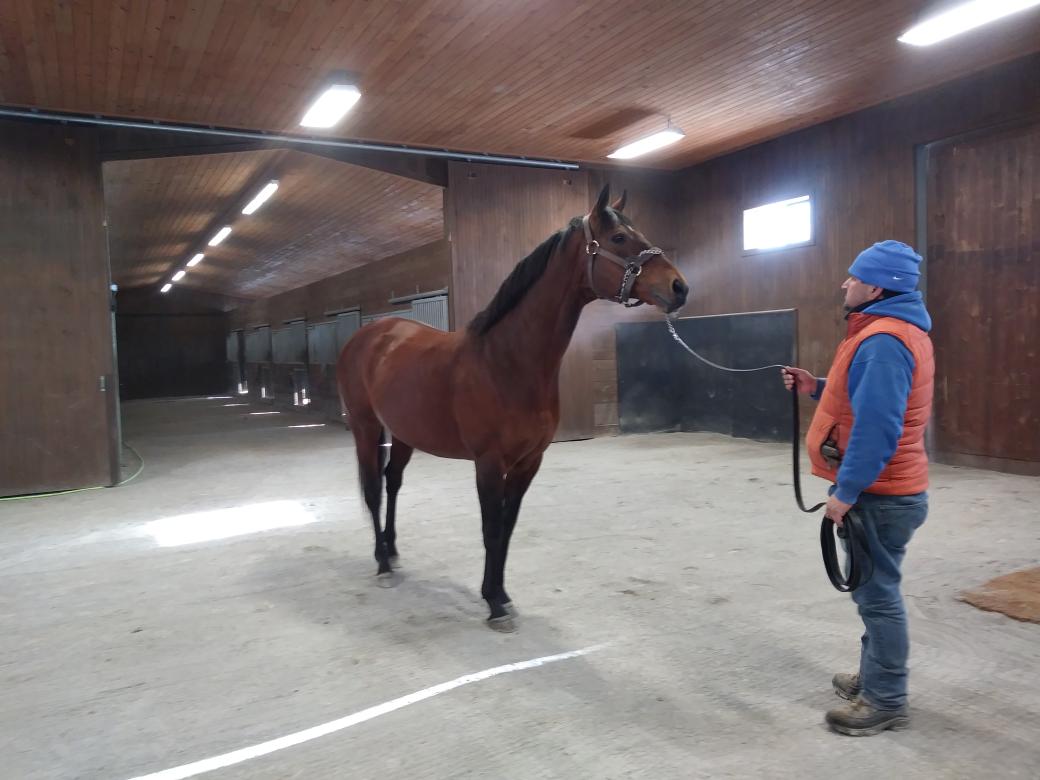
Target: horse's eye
[{"x": 618, "y": 238}]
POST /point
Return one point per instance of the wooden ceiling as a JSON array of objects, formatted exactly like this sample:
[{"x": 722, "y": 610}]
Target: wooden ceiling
[
  {"x": 567, "y": 79},
  {"x": 326, "y": 217}
]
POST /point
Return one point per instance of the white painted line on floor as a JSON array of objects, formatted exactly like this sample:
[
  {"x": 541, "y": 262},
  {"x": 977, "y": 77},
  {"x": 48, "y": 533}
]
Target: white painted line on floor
[{"x": 264, "y": 748}]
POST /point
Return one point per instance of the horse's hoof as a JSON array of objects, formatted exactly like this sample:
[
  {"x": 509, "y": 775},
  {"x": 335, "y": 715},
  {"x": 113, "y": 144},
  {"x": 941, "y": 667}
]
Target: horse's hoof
[
  {"x": 387, "y": 579},
  {"x": 510, "y": 607},
  {"x": 504, "y": 624},
  {"x": 395, "y": 561}
]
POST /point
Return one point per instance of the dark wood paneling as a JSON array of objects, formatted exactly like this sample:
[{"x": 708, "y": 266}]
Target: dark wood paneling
[
  {"x": 984, "y": 289},
  {"x": 860, "y": 172},
  {"x": 418, "y": 270},
  {"x": 551, "y": 78},
  {"x": 170, "y": 345},
  {"x": 56, "y": 422}
]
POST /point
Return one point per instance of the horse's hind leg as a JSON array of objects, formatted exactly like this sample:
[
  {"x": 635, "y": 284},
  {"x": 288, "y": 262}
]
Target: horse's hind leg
[
  {"x": 400, "y": 454},
  {"x": 368, "y": 436}
]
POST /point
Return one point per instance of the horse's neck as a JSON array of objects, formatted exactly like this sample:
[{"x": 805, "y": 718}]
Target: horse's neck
[{"x": 531, "y": 340}]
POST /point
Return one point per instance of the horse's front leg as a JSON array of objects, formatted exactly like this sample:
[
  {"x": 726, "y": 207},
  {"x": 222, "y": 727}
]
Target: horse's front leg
[
  {"x": 491, "y": 490},
  {"x": 516, "y": 484}
]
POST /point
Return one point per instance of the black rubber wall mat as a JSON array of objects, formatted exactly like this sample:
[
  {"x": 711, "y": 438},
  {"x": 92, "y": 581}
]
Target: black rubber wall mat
[{"x": 661, "y": 387}]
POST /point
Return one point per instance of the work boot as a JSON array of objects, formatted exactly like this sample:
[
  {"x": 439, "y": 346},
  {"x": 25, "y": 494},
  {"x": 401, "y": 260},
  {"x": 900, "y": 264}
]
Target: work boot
[
  {"x": 847, "y": 686},
  {"x": 860, "y": 719}
]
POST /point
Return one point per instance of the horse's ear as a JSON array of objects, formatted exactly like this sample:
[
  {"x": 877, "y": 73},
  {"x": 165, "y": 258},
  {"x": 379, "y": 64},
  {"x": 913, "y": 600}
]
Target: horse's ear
[
  {"x": 601, "y": 202},
  {"x": 619, "y": 204}
]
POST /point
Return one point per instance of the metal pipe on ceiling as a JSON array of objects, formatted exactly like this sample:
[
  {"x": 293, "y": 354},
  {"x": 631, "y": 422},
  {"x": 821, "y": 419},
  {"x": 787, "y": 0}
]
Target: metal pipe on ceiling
[{"x": 259, "y": 135}]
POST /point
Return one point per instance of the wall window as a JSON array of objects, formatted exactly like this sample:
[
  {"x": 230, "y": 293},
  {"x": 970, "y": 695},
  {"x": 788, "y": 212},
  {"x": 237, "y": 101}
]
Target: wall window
[{"x": 777, "y": 225}]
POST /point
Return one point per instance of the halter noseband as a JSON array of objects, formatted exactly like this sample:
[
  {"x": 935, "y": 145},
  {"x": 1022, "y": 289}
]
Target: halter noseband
[{"x": 633, "y": 266}]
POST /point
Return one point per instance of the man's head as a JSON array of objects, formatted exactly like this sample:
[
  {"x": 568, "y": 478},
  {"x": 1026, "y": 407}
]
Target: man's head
[{"x": 887, "y": 265}]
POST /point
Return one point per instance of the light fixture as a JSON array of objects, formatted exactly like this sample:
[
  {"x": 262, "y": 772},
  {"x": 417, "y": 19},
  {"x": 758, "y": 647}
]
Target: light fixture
[
  {"x": 195, "y": 260},
  {"x": 166, "y": 288},
  {"x": 648, "y": 144},
  {"x": 178, "y": 276},
  {"x": 331, "y": 105},
  {"x": 223, "y": 233},
  {"x": 261, "y": 197},
  {"x": 961, "y": 18}
]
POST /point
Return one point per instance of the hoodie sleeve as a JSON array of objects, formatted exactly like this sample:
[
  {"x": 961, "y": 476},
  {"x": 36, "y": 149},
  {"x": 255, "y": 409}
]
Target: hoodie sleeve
[{"x": 879, "y": 385}]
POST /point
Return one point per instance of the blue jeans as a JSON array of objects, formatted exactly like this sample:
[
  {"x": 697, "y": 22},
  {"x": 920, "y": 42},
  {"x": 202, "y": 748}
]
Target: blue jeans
[{"x": 890, "y": 522}]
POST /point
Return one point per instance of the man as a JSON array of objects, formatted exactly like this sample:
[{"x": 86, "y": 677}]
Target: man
[{"x": 867, "y": 437}]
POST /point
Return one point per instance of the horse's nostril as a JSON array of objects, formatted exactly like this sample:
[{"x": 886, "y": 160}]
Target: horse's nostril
[{"x": 679, "y": 287}]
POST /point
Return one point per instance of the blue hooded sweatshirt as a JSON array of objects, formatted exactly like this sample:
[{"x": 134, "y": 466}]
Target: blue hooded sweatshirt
[{"x": 880, "y": 376}]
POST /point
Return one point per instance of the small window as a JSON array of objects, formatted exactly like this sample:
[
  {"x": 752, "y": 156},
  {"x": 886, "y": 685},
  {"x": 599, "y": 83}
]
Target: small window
[{"x": 777, "y": 225}]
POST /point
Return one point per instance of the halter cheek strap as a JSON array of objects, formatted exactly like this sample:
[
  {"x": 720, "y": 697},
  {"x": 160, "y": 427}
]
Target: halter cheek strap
[{"x": 633, "y": 266}]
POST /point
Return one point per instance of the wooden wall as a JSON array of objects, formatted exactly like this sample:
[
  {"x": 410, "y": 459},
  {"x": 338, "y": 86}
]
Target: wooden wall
[
  {"x": 418, "y": 270},
  {"x": 170, "y": 345},
  {"x": 984, "y": 296},
  {"x": 57, "y": 379},
  {"x": 860, "y": 171}
]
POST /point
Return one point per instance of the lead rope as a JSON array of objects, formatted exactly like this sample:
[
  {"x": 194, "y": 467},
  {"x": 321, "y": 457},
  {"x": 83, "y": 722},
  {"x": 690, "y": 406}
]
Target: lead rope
[{"x": 860, "y": 565}]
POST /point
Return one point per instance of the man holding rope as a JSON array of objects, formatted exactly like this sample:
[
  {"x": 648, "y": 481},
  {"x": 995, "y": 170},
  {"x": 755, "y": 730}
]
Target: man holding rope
[{"x": 867, "y": 438}]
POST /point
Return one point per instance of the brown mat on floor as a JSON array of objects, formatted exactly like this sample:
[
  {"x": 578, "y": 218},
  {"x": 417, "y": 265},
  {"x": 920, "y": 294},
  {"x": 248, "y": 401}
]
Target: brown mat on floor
[{"x": 1016, "y": 595}]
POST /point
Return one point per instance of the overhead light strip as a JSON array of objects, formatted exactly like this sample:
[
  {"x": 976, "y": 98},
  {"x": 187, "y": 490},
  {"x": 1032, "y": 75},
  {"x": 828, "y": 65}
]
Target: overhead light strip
[
  {"x": 650, "y": 143},
  {"x": 261, "y": 197},
  {"x": 961, "y": 18},
  {"x": 221, "y": 234},
  {"x": 331, "y": 106}
]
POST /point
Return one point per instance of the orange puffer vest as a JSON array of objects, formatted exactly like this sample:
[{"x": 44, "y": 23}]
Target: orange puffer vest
[{"x": 907, "y": 471}]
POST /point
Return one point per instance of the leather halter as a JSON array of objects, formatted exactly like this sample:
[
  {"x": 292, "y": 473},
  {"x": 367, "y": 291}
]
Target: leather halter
[{"x": 633, "y": 266}]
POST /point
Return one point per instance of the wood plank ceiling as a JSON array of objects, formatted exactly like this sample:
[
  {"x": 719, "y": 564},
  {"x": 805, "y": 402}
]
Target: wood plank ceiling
[
  {"x": 567, "y": 79},
  {"x": 326, "y": 217}
]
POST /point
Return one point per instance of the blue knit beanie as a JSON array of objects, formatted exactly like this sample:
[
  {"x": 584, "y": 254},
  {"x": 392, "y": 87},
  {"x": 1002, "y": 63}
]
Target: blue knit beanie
[{"x": 888, "y": 264}]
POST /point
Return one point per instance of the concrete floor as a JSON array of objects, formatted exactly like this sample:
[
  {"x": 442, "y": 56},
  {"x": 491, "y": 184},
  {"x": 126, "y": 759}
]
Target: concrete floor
[{"x": 681, "y": 553}]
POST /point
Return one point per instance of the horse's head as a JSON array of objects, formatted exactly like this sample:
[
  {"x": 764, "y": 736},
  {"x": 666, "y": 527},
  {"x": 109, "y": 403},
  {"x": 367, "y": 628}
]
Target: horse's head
[{"x": 623, "y": 265}]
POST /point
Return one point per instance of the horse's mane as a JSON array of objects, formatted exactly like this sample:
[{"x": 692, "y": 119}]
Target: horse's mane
[{"x": 523, "y": 277}]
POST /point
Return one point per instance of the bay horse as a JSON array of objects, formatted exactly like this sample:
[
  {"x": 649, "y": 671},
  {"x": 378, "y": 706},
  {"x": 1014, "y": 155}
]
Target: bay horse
[{"x": 490, "y": 393}]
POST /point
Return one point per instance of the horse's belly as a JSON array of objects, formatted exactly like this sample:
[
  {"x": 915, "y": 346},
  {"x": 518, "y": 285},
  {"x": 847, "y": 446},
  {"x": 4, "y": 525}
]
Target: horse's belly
[{"x": 415, "y": 413}]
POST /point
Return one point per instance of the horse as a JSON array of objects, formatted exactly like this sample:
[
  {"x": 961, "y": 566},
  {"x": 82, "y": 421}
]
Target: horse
[{"x": 490, "y": 393}]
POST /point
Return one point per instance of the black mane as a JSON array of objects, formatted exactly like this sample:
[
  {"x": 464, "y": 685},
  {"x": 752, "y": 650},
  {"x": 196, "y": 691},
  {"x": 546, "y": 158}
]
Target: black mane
[{"x": 523, "y": 277}]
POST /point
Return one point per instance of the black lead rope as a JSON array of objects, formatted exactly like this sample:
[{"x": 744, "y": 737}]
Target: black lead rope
[{"x": 860, "y": 564}]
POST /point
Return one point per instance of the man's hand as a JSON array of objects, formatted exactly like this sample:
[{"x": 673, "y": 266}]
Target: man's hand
[
  {"x": 805, "y": 381},
  {"x": 836, "y": 510}
]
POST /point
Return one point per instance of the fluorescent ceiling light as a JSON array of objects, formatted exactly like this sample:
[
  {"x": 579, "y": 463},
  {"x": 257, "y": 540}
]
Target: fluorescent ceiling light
[
  {"x": 331, "y": 106},
  {"x": 649, "y": 144},
  {"x": 195, "y": 260},
  {"x": 178, "y": 276},
  {"x": 223, "y": 233},
  {"x": 962, "y": 18},
  {"x": 261, "y": 196},
  {"x": 166, "y": 288}
]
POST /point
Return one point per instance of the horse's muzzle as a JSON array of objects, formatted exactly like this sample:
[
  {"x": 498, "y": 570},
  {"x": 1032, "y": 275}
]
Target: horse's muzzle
[{"x": 679, "y": 292}]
